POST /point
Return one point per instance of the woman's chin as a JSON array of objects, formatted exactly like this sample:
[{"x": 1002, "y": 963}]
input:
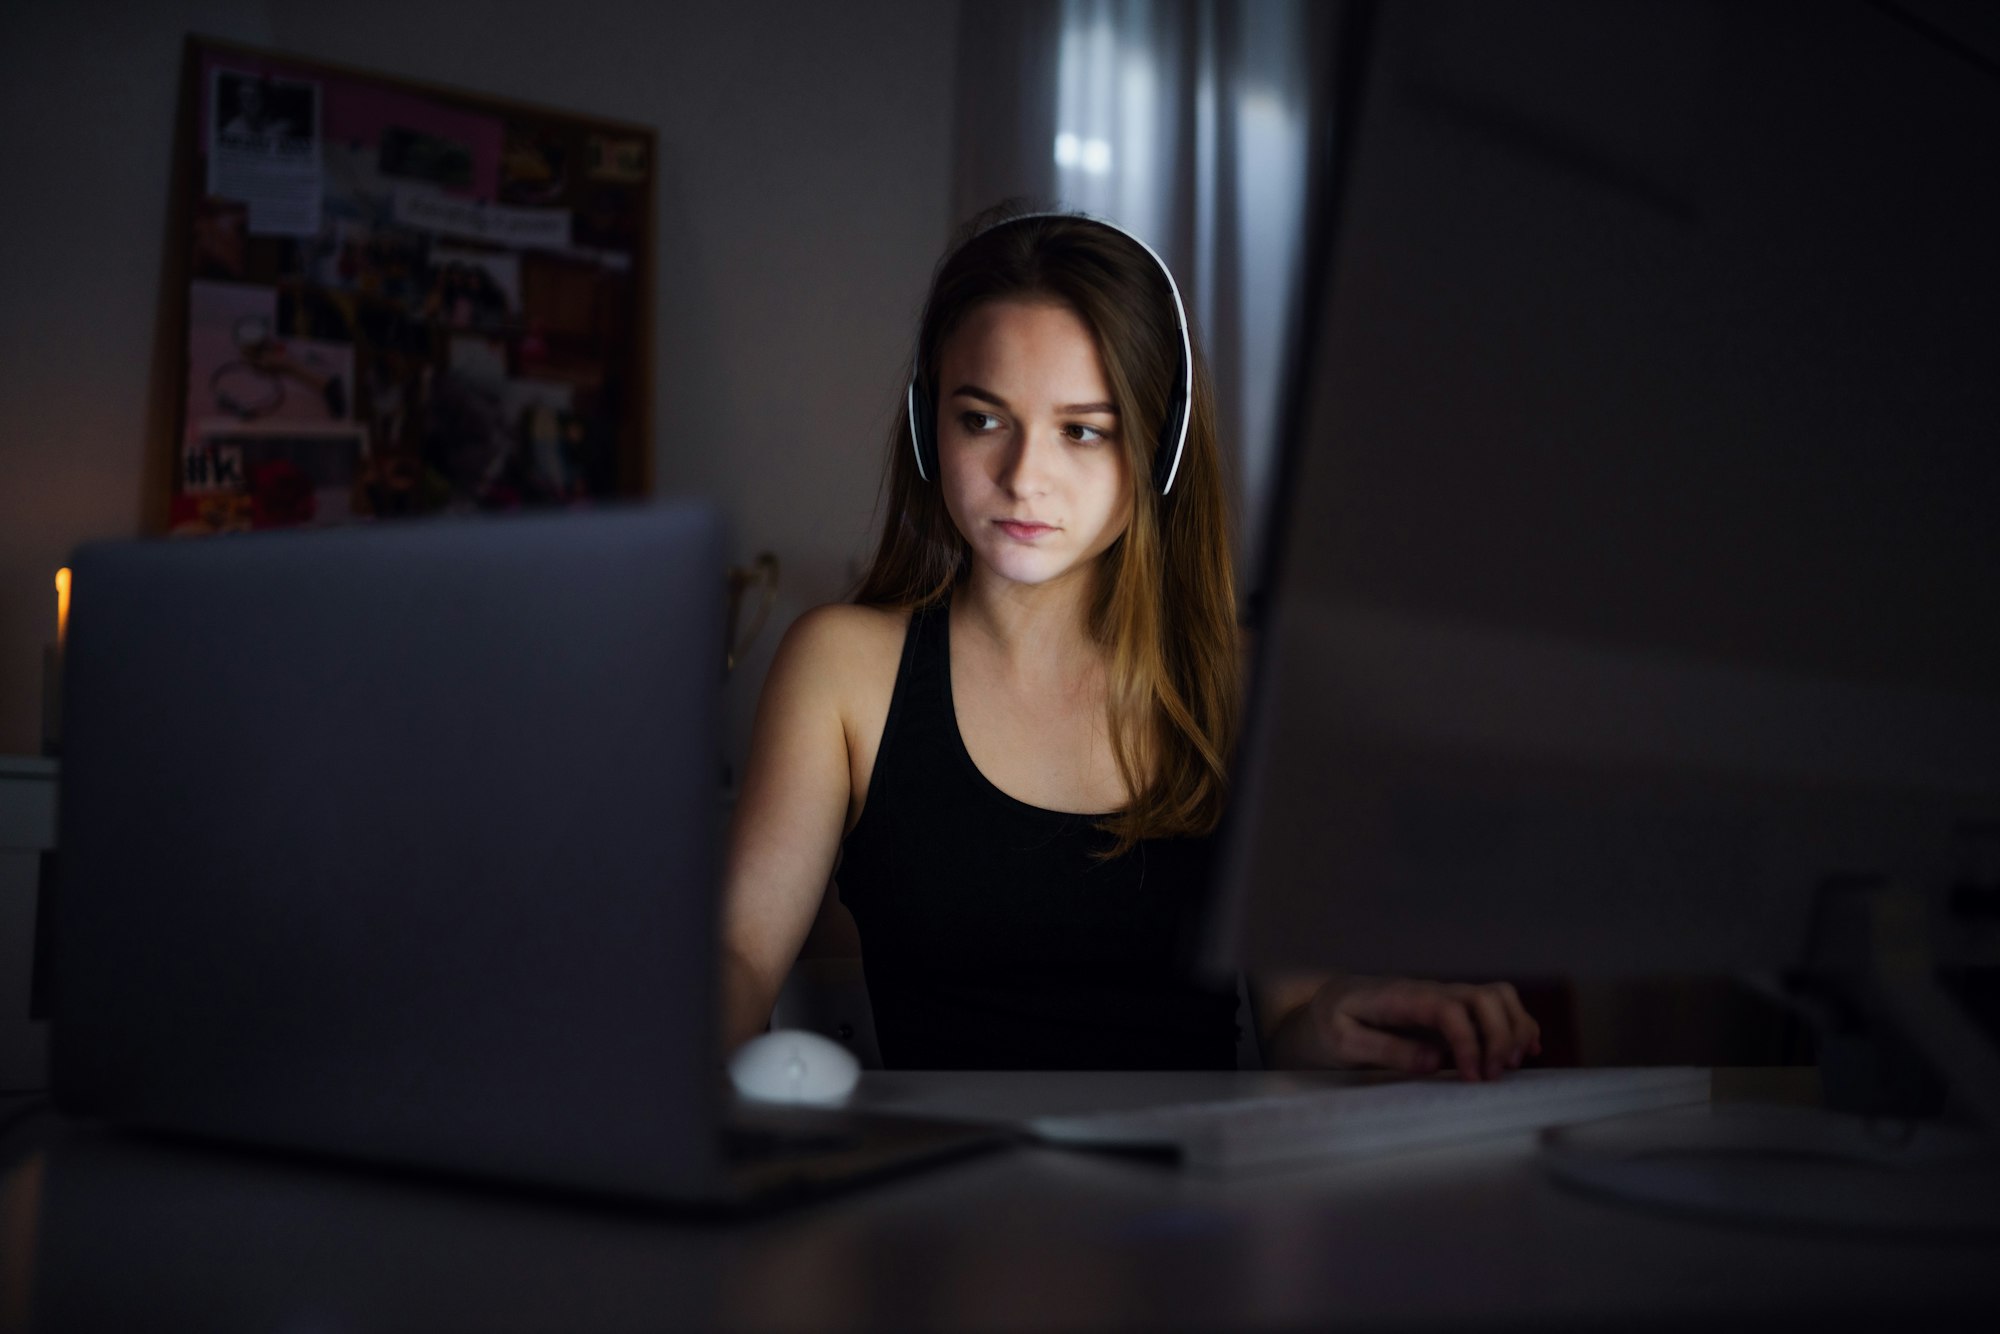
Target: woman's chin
[{"x": 1027, "y": 567}]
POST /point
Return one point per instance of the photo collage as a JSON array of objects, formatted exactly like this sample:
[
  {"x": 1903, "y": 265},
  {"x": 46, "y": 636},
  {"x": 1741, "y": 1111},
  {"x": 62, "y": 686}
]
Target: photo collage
[{"x": 401, "y": 302}]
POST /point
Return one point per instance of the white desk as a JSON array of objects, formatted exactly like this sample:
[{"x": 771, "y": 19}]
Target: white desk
[{"x": 97, "y": 1231}]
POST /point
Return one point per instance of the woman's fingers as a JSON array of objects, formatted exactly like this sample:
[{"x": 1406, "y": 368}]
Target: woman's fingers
[
  {"x": 1525, "y": 1027},
  {"x": 1361, "y": 1045},
  {"x": 1453, "y": 1022},
  {"x": 1486, "y": 1028},
  {"x": 1408, "y": 1005},
  {"x": 1506, "y": 1037}
]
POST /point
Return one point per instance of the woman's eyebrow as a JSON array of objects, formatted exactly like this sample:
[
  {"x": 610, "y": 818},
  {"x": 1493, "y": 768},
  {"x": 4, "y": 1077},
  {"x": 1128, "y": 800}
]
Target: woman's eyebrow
[{"x": 1067, "y": 410}]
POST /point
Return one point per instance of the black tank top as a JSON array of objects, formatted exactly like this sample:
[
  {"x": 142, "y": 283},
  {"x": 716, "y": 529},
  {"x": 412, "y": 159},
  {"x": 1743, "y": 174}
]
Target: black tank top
[{"x": 990, "y": 937}]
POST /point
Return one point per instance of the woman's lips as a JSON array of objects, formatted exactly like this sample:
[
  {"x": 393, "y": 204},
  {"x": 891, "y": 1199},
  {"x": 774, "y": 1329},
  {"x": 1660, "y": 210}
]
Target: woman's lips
[{"x": 1024, "y": 530}]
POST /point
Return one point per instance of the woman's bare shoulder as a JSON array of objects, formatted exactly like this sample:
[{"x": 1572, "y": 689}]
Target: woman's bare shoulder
[
  {"x": 844, "y": 644},
  {"x": 843, "y": 659},
  {"x": 848, "y": 627}
]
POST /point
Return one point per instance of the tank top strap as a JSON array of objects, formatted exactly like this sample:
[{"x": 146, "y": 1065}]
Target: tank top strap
[
  {"x": 927, "y": 655},
  {"x": 918, "y": 703}
]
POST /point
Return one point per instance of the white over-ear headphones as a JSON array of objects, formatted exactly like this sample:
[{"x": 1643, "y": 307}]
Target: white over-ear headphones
[{"x": 1173, "y": 432}]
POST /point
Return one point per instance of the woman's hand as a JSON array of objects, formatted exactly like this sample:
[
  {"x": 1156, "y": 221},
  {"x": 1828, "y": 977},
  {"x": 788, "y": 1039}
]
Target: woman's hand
[{"x": 1410, "y": 1026}]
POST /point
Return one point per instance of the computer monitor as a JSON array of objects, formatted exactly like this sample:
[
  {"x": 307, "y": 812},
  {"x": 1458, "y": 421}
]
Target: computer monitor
[{"x": 1634, "y": 578}]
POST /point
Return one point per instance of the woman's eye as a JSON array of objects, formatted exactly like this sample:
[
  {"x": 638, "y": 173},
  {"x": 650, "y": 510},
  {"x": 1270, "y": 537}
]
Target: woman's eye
[
  {"x": 978, "y": 421},
  {"x": 1083, "y": 435}
]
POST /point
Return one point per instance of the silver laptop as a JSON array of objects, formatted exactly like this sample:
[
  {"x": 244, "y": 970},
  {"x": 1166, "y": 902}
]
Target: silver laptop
[{"x": 399, "y": 843}]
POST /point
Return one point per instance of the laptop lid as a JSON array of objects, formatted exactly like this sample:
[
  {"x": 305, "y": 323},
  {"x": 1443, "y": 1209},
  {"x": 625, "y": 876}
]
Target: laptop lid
[{"x": 397, "y": 842}]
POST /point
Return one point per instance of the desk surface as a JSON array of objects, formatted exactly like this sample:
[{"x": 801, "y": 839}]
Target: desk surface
[{"x": 104, "y": 1231}]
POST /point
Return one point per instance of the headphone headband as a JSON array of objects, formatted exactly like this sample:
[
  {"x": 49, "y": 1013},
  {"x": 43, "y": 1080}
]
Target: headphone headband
[{"x": 1173, "y": 433}]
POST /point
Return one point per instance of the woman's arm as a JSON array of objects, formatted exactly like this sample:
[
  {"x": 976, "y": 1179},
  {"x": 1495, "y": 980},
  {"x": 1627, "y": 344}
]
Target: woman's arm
[
  {"x": 1328, "y": 1022},
  {"x": 786, "y": 829}
]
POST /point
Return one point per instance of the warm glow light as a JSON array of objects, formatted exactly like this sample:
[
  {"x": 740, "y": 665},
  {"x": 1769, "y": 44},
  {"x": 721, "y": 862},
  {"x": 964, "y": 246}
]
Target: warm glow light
[{"x": 62, "y": 604}]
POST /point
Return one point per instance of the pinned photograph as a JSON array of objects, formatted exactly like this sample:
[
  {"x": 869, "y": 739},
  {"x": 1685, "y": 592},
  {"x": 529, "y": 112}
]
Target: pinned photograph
[
  {"x": 534, "y": 168},
  {"x": 254, "y": 110},
  {"x": 472, "y": 289},
  {"x": 617, "y": 159},
  {"x": 412, "y": 155},
  {"x": 292, "y": 475},
  {"x": 264, "y": 149},
  {"x": 240, "y": 369},
  {"x": 417, "y": 138},
  {"x": 466, "y": 435}
]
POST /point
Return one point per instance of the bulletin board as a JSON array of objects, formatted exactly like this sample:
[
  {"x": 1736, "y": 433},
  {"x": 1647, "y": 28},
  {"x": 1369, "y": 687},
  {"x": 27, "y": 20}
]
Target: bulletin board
[{"x": 402, "y": 299}]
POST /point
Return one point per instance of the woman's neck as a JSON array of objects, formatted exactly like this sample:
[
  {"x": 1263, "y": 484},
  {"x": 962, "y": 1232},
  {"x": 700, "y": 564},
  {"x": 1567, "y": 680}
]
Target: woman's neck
[{"x": 1037, "y": 631}]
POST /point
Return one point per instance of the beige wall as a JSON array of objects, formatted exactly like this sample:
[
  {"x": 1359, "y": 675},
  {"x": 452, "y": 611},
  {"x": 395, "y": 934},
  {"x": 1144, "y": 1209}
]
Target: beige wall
[{"x": 804, "y": 187}]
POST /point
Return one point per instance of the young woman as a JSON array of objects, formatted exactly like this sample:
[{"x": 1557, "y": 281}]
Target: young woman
[{"x": 1015, "y": 740}]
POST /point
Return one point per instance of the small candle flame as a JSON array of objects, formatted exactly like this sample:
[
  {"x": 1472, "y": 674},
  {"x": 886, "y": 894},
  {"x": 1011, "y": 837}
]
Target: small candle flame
[{"x": 62, "y": 605}]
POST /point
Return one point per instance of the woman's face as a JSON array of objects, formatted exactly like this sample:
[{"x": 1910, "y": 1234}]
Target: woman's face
[{"x": 1033, "y": 471}]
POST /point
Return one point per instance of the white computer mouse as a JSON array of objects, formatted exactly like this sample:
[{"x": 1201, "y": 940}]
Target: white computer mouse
[{"x": 792, "y": 1065}]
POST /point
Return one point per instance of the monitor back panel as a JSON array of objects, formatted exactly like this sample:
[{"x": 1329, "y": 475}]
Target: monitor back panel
[{"x": 1635, "y": 565}]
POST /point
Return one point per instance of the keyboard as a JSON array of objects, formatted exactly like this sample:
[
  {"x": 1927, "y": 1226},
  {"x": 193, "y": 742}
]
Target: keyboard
[{"x": 1366, "y": 1120}]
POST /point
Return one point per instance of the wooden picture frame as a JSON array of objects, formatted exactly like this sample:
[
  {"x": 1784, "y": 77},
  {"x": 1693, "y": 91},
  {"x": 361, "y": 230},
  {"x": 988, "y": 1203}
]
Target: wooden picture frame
[{"x": 389, "y": 298}]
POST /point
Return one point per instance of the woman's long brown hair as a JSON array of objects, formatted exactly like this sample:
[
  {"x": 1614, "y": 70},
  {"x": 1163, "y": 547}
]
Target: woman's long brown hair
[{"x": 1165, "y": 604}]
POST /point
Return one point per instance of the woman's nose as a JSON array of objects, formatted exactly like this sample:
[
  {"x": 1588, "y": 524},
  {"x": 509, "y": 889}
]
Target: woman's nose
[{"x": 1024, "y": 465}]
